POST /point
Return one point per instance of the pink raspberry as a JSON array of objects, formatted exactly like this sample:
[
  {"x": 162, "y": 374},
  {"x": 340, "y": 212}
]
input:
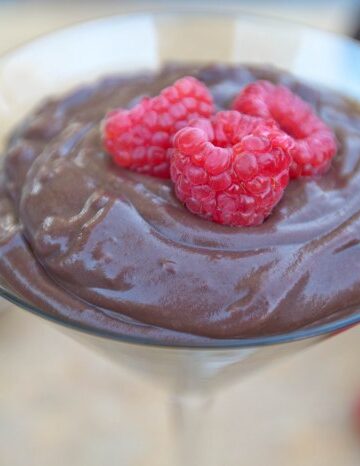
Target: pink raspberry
[
  {"x": 138, "y": 139},
  {"x": 232, "y": 169},
  {"x": 314, "y": 142}
]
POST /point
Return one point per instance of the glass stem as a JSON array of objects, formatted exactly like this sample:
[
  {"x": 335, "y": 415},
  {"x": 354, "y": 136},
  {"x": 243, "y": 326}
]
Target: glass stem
[{"x": 190, "y": 413}]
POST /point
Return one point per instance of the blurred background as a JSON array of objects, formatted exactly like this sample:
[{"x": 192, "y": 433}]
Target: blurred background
[
  {"x": 21, "y": 20},
  {"x": 61, "y": 404}
]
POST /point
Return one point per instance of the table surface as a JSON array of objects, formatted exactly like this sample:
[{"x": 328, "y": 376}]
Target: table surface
[{"x": 62, "y": 404}]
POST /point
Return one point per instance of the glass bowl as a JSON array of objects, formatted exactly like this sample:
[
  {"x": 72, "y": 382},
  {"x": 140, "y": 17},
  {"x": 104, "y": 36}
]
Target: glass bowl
[{"x": 50, "y": 65}]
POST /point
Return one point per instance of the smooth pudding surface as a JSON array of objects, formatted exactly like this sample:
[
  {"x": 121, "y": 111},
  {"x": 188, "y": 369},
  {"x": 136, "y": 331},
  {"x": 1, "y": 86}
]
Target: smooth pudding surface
[{"x": 90, "y": 242}]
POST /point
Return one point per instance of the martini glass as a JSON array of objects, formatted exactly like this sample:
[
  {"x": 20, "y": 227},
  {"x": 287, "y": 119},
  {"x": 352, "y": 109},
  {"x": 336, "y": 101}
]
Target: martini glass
[{"x": 54, "y": 63}]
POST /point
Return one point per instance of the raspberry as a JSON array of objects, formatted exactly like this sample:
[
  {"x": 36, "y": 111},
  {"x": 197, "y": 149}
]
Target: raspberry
[
  {"x": 232, "y": 169},
  {"x": 314, "y": 142},
  {"x": 139, "y": 138}
]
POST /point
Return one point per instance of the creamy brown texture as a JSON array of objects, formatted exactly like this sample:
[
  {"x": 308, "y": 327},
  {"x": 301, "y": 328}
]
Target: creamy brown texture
[{"x": 94, "y": 244}]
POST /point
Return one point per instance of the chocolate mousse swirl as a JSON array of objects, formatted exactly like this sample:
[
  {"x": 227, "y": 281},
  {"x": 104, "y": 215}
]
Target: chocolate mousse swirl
[{"x": 114, "y": 250}]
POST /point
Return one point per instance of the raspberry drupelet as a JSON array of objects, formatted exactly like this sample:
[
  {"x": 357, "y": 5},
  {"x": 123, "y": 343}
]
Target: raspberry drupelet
[
  {"x": 231, "y": 169},
  {"x": 138, "y": 139},
  {"x": 314, "y": 142}
]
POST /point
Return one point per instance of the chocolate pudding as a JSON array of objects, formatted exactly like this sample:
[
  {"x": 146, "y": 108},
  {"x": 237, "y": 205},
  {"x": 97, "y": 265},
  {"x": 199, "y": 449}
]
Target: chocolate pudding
[{"x": 112, "y": 250}]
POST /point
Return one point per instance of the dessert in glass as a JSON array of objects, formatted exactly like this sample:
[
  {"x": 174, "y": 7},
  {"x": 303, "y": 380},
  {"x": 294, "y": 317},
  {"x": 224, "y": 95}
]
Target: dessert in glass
[{"x": 116, "y": 260}]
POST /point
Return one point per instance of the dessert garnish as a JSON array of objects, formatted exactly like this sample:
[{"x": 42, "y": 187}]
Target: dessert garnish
[
  {"x": 231, "y": 167},
  {"x": 138, "y": 139},
  {"x": 314, "y": 142}
]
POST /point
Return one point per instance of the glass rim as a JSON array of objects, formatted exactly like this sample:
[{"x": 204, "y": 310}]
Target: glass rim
[
  {"x": 225, "y": 10},
  {"x": 214, "y": 344}
]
